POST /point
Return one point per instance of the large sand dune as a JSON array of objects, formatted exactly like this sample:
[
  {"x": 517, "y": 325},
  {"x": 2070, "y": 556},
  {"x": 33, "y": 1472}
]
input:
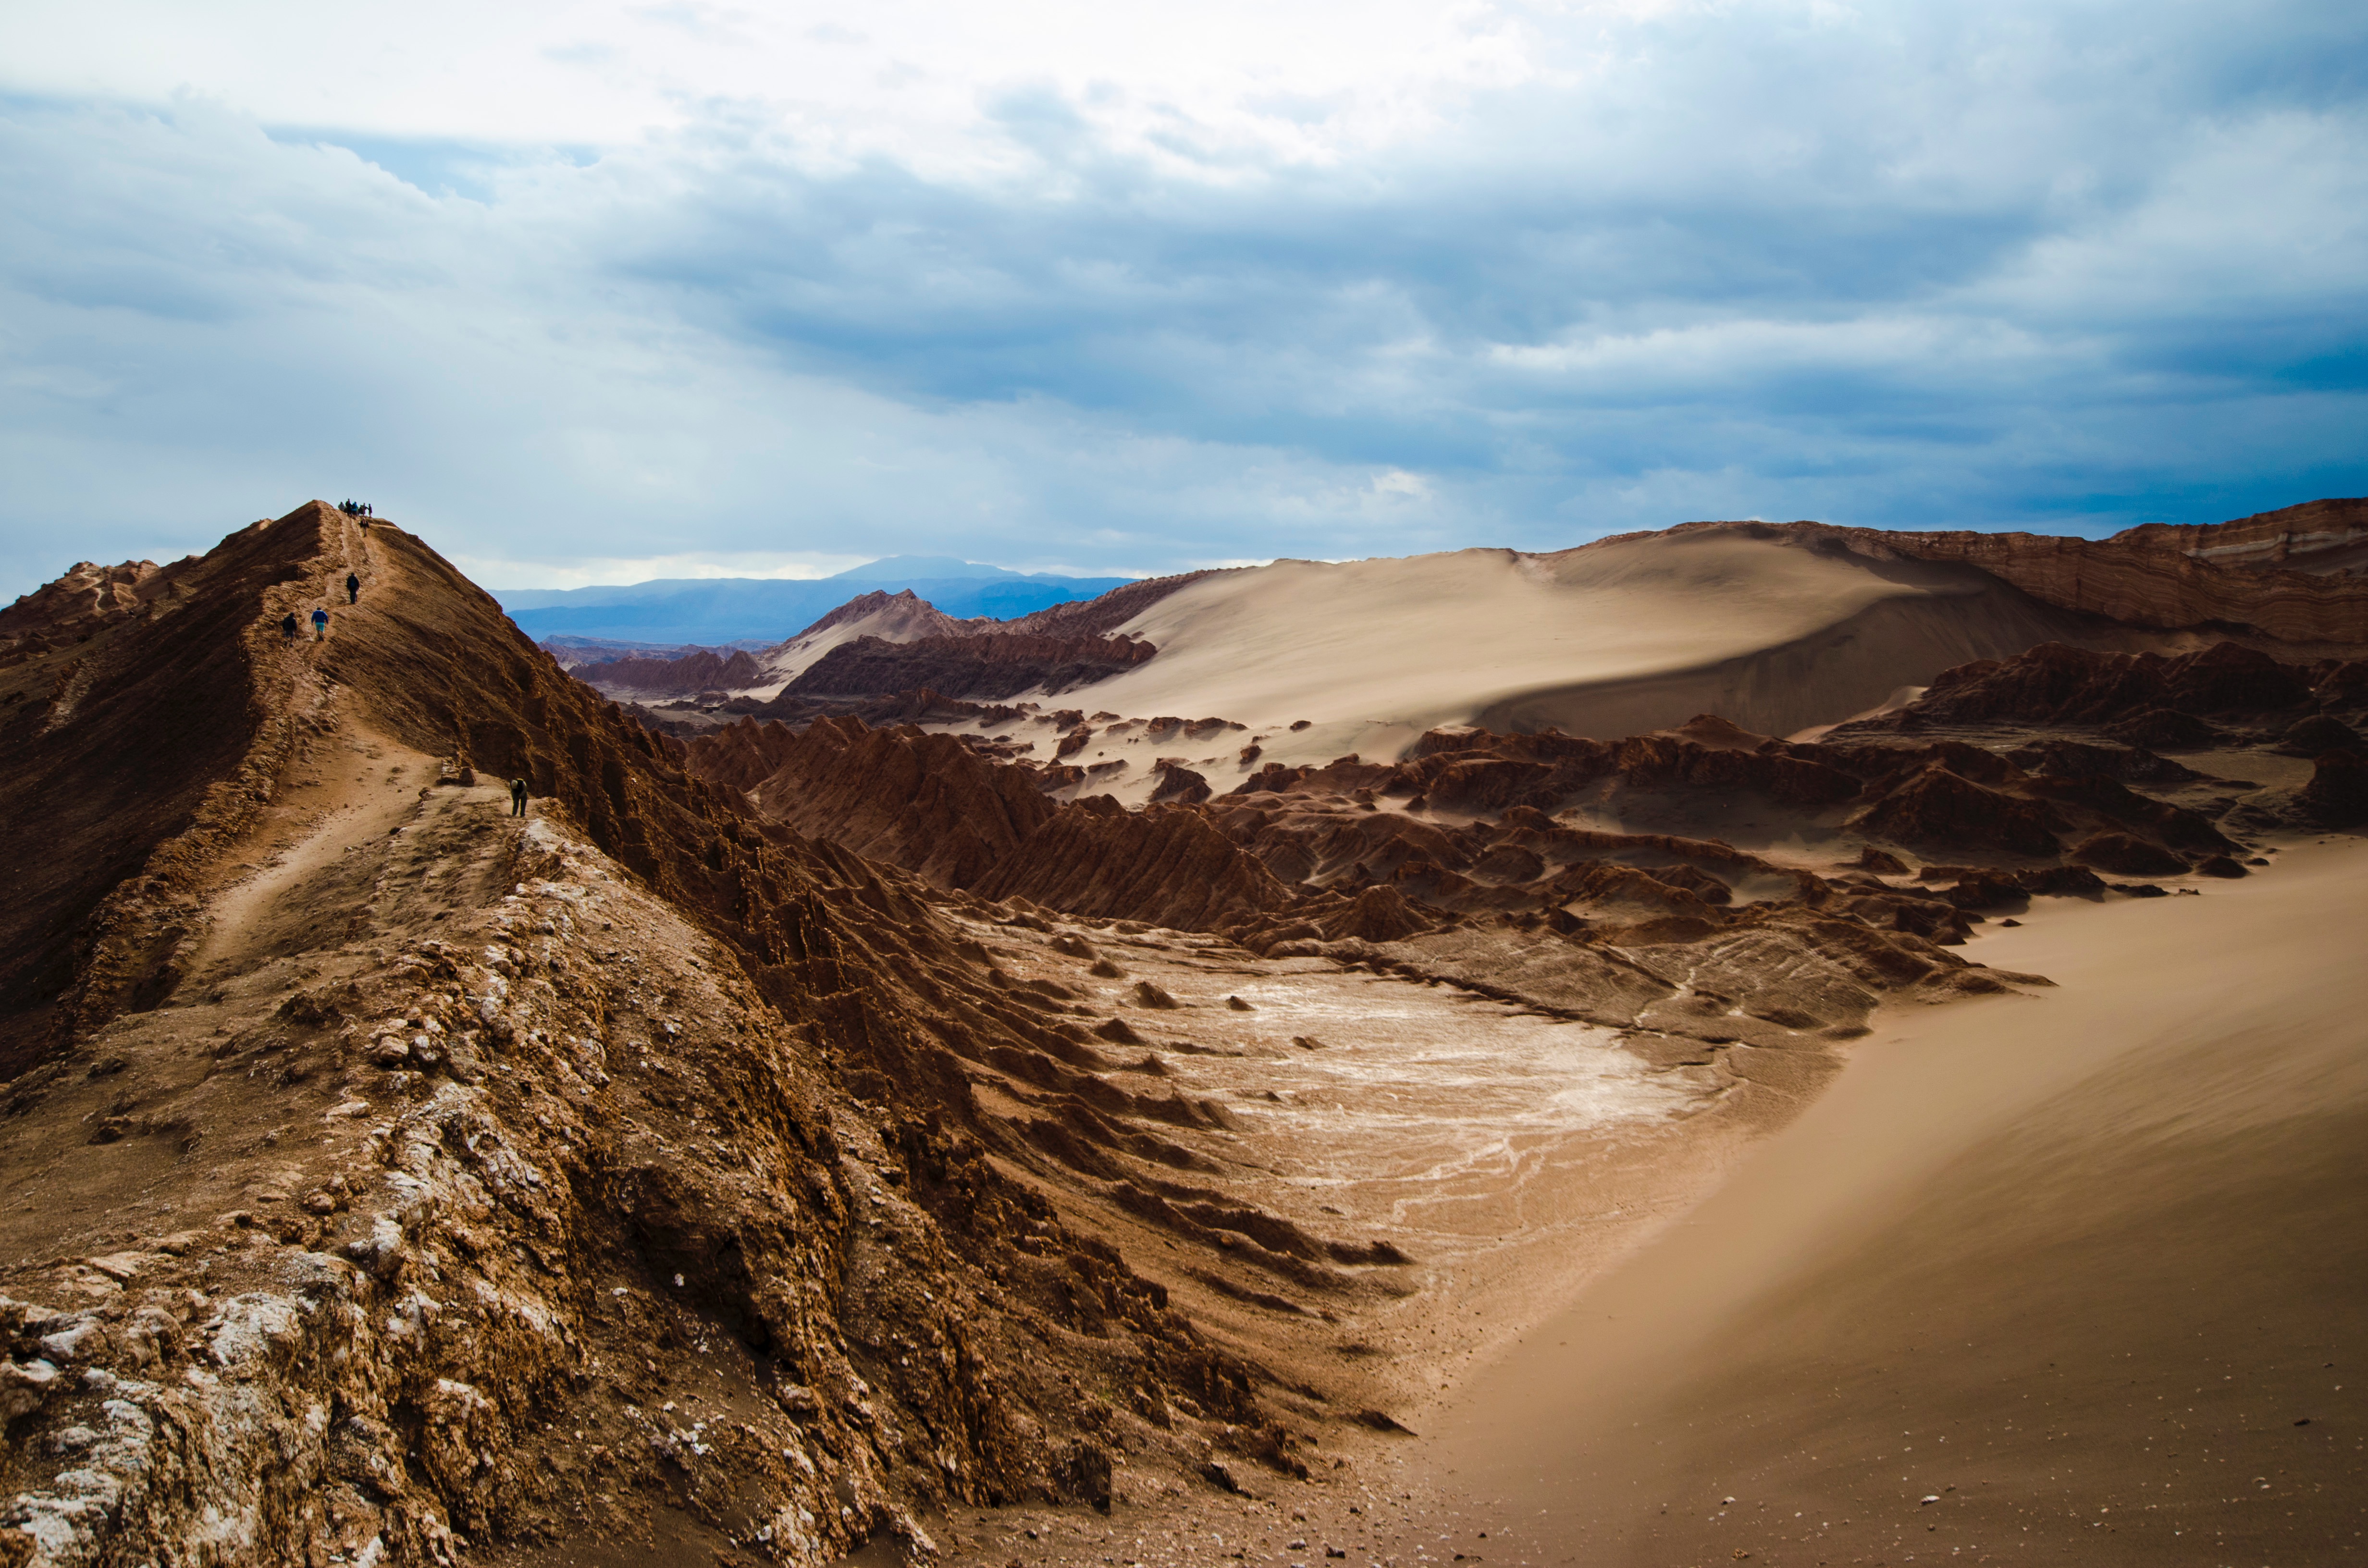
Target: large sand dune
[
  {"x": 1605, "y": 640},
  {"x": 2071, "y": 1279}
]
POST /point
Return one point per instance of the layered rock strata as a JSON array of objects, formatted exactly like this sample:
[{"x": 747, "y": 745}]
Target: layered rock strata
[
  {"x": 2136, "y": 579},
  {"x": 2330, "y": 536}
]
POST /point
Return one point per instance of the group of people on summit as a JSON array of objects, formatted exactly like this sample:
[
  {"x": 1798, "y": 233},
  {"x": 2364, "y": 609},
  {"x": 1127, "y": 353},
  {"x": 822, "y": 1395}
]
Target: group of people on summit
[{"x": 356, "y": 508}]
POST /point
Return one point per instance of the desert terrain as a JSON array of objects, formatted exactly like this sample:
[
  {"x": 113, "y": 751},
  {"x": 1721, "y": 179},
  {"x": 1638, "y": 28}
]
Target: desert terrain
[{"x": 1540, "y": 1059}]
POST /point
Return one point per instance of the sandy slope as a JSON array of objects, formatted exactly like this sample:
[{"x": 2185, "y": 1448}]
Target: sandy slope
[
  {"x": 2085, "y": 1269},
  {"x": 1605, "y": 640},
  {"x": 2073, "y": 1265}
]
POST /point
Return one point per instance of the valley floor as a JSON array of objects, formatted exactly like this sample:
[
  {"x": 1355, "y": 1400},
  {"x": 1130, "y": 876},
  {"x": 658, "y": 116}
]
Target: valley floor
[{"x": 2074, "y": 1277}]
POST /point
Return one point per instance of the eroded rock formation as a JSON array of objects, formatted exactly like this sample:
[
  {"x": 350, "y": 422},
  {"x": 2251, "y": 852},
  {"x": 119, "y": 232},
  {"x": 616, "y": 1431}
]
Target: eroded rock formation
[
  {"x": 488, "y": 1139},
  {"x": 994, "y": 665},
  {"x": 704, "y": 670}
]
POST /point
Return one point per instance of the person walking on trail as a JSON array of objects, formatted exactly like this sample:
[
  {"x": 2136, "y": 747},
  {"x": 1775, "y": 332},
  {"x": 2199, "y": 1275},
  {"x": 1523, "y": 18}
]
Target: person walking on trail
[
  {"x": 320, "y": 625},
  {"x": 353, "y": 589},
  {"x": 287, "y": 627},
  {"x": 517, "y": 796}
]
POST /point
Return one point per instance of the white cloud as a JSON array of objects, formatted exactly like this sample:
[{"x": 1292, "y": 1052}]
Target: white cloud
[{"x": 585, "y": 290}]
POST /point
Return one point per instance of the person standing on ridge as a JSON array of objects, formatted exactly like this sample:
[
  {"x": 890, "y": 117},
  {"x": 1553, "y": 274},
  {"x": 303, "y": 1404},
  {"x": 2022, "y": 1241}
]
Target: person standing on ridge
[
  {"x": 353, "y": 589},
  {"x": 288, "y": 626},
  {"x": 320, "y": 625},
  {"x": 517, "y": 796}
]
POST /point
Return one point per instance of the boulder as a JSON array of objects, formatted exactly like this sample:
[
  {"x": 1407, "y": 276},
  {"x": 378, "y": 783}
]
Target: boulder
[
  {"x": 2338, "y": 792},
  {"x": 2319, "y": 734}
]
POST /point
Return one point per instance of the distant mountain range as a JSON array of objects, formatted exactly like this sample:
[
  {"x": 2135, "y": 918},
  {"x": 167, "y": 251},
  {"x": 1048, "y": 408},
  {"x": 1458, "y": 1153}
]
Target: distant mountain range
[{"x": 717, "y": 612}]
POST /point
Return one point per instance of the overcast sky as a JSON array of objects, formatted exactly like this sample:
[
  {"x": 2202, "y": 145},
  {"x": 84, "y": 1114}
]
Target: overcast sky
[{"x": 595, "y": 293}]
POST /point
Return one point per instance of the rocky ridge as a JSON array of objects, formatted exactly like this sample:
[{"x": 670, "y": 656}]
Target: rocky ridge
[
  {"x": 2162, "y": 580},
  {"x": 995, "y": 665},
  {"x": 700, "y": 670},
  {"x": 457, "y": 1180}
]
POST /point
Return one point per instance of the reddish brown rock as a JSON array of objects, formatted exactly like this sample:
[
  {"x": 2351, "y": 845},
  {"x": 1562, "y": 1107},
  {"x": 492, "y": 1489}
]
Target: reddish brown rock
[
  {"x": 2163, "y": 729},
  {"x": 2062, "y": 881},
  {"x": 1938, "y": 806},
  {"x": 1379, "y": 914},
  {"x": 819, "y": 980},
  {"x": 2319, "y": 734},
  {"x": 2126, "y": 808},
  {"x": 1178, "y": 783},
  {"x": 1101, "y": 617},
  {"x": 1168, "y": 864},
  {"x": 706, "y": 669},
  {"x": 2056, "y": 757},
  {"x": 87, "y": 597},
  {"x": 2317, "y": 535},
  {"x": 2127, "y": 857},
  {"x": 2054, "y": 683},
  {"x": 994, "y": 665},
  {"x": 1603, "y": 882},
  {"x": 2338, "y": 792},
  {"x": 923, "y": 801},
  {"x": 741, "y": 755}
]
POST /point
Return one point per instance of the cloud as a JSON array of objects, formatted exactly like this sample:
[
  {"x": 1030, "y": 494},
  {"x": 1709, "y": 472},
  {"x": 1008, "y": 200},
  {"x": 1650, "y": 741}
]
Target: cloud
[{"x": 1519, "y": 277}]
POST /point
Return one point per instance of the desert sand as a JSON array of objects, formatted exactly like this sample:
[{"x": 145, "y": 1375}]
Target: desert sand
[
  {"x": 1475, "y": 1153},
  {"x": 2086, "y": 1268},
  {"x": 1608, "y": 640},
  {"x": 2071, "y": 1275}
]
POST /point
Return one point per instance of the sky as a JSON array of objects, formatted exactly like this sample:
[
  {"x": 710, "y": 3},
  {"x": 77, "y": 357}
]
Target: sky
[{"x": 595, "y": 293}]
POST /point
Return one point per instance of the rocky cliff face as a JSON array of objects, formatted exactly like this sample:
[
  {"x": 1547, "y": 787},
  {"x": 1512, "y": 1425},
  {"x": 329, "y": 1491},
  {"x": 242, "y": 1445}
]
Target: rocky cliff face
[
  {"x": 2329, "y": 535},
  {"x": 421, "y": 1179},
  {"x": 918, "y": 800}
]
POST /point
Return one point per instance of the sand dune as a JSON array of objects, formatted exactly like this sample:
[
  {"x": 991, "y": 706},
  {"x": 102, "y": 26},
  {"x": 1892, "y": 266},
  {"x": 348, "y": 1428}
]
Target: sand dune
[
  {"x": 2074, "y": 1278},
  {"x": 1607, "y": 639}
]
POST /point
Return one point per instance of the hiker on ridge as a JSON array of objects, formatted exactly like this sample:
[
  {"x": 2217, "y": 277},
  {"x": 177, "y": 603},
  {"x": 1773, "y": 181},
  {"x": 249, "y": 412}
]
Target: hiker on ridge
[
  {"x": 517, "y": 796},
  {"x": 320, "y": 625},
  {"x": 353, "y": 589},
  {"x": 288, "y": 626}
]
